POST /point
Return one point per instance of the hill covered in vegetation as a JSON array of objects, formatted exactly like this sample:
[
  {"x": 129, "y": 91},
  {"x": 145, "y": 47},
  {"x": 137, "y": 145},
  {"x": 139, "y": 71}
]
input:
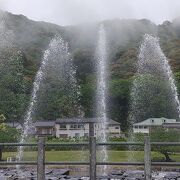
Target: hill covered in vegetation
[{"x": 20, "y": 61}]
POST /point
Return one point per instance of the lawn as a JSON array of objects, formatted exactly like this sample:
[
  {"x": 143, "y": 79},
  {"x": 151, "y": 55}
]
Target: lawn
[{"x": 113, "y": 156}]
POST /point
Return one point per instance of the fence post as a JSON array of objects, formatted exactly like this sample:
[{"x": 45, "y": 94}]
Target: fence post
[
  {"x": 41, "y": 159},
  {"x": 147, "y": 158},
  {"x": 91, "y": 130},
  {"x": 92, "y": 157}
]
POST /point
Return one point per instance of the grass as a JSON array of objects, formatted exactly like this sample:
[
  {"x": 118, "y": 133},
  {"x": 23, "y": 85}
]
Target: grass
[{"x": 113, "y": 156}]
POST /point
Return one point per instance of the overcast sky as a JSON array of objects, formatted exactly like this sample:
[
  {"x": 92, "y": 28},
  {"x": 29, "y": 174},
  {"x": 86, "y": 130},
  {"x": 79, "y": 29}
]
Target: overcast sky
[{"x": 65, "y": 12}]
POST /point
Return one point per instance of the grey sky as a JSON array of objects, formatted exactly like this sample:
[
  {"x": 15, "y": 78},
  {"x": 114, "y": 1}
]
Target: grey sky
[{"x": 65, "y": 12}]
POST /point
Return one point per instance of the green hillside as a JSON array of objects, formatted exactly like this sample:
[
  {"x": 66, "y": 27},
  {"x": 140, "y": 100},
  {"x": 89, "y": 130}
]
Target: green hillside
[{"x": 17, "y": 71}]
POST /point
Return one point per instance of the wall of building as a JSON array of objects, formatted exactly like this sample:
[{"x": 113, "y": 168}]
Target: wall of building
[
  {"x": 141, "y": 130},
  {"x": 68, "y": 131}
]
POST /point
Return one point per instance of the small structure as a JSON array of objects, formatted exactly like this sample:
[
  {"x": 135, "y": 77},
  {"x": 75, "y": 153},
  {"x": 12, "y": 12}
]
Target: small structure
[
  {"x": 148, "y": 124},
  {"x": 46, "y": 128}
]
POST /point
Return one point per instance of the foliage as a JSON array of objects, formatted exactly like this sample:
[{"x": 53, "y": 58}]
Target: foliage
[
  {"x": 18, "y": 68},
  {"x": 162, "y": 135},
  {"x": 2, "y": 118},
  {"x": 9, "y": 135},
  {"x": 2, "y": 125},
  {"x": 12, "y": 90},
  {"x": 157, "y": 92}
]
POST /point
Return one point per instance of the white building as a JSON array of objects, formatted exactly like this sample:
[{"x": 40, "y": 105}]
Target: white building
[
  {"x": 148, "y": 124},
  {"x": 80, "y": 127},
  {"x": 74, "y": 127}
]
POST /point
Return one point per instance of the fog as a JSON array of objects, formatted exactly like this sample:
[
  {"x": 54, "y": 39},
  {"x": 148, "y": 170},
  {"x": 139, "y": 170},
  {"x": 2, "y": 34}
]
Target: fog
[{"x": 66, "y": 12}]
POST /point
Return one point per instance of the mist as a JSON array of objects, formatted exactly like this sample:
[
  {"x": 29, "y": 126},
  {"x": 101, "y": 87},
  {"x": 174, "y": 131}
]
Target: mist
[{"x": 68, "y": 12}]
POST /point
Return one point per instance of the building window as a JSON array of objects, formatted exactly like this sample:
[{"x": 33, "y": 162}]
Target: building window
[
  {"x": 116, "y": 127},
  {"x": 140, "y": 127},
  {"x": 80, "y": 126},
  {"x": 76, "y": 126},
  {"x": 62, "y": 126},
  {"x": 73, "y": 126},
  {"x": 145, "y": 127},
  {"x": 86, "y": 134},
  {"x": 152, "y": 120},
  {"x": 136, "y": 127}
]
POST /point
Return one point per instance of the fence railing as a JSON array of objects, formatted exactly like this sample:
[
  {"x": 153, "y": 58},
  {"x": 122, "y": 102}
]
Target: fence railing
[{"x": 92, "y": 145}]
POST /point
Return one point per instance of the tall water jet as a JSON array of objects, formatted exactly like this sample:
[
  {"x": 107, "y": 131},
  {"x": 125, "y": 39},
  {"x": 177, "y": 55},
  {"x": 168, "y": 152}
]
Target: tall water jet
[
  {"x": 36, "y": 86},
  {"x": 154, "y": 93},
  {"x": 101, "y": 55},
  {"x": 57, "y": 59}
]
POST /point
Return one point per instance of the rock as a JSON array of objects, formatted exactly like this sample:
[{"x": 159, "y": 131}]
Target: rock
[
  {"x": 2, "y": 178},
  {"x": 172, "y": 175},
  {"x": 52, "y": 178},
  {"x": 49, "y": 172},
  {"x": 118, "y": 173},
  {"x": 85, "y": 178},
  {"x": 62, "y": 176}
]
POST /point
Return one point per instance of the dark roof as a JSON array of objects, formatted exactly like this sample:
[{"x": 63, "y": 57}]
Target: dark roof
[
  {"x": 44, "y": 123},
  {"x": 67, "y": 121},
  {"x": 84, "y": 120}
]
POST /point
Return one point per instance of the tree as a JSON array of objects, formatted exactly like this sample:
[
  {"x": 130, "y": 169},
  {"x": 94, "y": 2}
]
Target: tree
[
  {"x": 2, "y": 119},
  {"x": 13, "y": 97},
  {"x": 7, "y": 134},
  {"x": 162, "y": 135},
  {"x": 152, "y": 96},
  {"x": 118, "y": 100}
]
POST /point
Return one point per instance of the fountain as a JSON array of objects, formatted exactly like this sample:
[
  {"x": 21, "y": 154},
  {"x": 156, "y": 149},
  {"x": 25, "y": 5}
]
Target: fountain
[
  {"x": 57, "y": 58},
  {"x": 101, "y": 55},
  {"x": 154, "y": 93}
]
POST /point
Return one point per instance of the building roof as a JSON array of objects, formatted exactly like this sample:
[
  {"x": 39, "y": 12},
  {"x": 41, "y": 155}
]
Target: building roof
[
  {"x": 155, "y": 122},
  {"x": 44, "y": 123},
  {"x": 72, "y": 121},
  {"x": 84, "y": 120}
]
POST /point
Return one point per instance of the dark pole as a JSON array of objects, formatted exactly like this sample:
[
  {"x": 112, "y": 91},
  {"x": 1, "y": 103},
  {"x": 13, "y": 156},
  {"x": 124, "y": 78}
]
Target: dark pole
[
  {"x": 41, "y": 159},
  {"x": 147, "y": 158},
  {"x": 92, "y": 148}
]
